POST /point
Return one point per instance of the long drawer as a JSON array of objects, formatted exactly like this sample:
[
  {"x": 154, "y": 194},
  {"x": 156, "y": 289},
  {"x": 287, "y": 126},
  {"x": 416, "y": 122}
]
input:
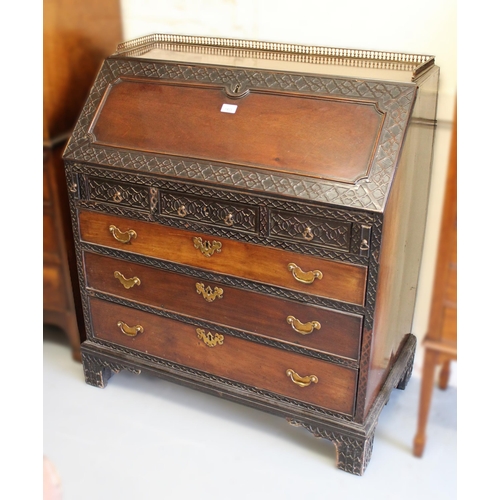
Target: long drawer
[
  {"x": 267, "y": 368},
  {"x": 312, "y": 275},
  {"x": 309, "y": 326}
]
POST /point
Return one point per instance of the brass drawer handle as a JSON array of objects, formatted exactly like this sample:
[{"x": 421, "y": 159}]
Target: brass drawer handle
[
  {"x": 364, "y": 245},
  {"x": 208, "y": 294},
  {"x": 127, "y": 282},
  {"x": 303, "y": 328},
  {"x": 301, "y": 381},
  {"x": 304, "y": 277},
  {"x": 210, "y": 339},
  {"x": 117, "y": 197},
  {"x": 130, "y": 331},
  {"x": 181, "y": 211},
  {"x": 207, "y": 248},
  {"x": 308, "y": 234},
  {"x": 228, "y": 220},
  {"x": 122, "y": 237}
]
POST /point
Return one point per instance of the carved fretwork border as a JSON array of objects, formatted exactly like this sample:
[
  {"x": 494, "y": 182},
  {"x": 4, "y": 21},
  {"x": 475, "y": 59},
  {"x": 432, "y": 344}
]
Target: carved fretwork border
[
  {"x": 345, "y": 362},
  {"x": 393, "y": 99},
  {"x": 262, "y": 203},
  {"x": 192, "y": 188}
]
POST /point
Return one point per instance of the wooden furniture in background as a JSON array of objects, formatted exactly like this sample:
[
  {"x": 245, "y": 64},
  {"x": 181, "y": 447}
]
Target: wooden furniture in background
[
  {"x": 440, "y": 343},
  {"x": 76, "y": 37},
  {"x": 251, "y": 229}
]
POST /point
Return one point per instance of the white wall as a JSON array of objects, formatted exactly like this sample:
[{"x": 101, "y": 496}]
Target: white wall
[{"x": 423, "y": 27}]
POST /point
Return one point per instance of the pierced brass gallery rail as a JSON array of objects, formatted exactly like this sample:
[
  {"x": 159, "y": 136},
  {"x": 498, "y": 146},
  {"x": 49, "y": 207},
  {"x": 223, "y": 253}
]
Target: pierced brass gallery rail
[
  {"x": 207, "y": 248},
  {"x": 303, "y": 328},
  {"x": 208, "y": 294},
  {"x": 304, "y": 277},
  {"x": 301, "y": 381},
  {"x": 122, "y": 237},
  {"x": 127, "y": 282},
  {"x": 130, "y": 331},
  {"x": 210, "y": 339}
]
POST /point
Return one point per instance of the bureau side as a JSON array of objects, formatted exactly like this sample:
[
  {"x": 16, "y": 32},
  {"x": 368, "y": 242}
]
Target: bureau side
[{"x": 403, "y": 229}]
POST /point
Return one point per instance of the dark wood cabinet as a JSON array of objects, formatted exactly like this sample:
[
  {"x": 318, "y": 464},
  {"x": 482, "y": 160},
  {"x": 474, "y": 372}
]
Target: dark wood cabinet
[
  {"x": 248, "y": 220},
  {"x": 76, "y": 37}
]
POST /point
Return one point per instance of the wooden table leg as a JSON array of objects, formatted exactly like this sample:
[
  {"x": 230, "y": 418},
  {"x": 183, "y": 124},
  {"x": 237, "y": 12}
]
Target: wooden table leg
[{"x": 430, "y": 361}]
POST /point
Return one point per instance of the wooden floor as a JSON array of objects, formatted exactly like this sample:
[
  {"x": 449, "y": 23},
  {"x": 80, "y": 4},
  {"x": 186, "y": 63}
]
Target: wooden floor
[{"x": 145, "y": 438}]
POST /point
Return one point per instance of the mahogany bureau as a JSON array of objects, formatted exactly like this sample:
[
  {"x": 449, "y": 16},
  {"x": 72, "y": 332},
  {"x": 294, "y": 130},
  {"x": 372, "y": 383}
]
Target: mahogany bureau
[{"x": 248, "y": 219}]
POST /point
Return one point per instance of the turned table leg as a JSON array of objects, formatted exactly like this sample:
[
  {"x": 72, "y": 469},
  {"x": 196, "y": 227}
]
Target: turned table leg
[
  {"x": 444, "y": 375},
  {"x": 427, "y": 385}
]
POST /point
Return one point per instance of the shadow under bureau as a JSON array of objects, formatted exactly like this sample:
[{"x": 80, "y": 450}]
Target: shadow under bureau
[{"x": 248, "y": 220}]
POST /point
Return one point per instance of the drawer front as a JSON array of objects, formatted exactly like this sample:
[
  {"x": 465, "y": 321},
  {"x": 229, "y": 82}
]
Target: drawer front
[
  {"x": 232, "y": 358},
  {"x": 335, "y": 280},
  {"x": 287, "y": 321},
  {"x": 310, "y": 230},
  {"x": 207, "y": 211},
  {"x": 119, "y": 193}
]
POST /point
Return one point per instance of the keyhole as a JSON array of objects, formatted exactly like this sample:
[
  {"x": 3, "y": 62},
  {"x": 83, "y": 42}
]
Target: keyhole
[{"x": 237, "y": 88}]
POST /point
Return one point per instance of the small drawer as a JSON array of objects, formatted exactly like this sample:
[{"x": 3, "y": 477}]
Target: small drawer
[
  {"x": 310, "y": 230},
  {"x": 266, "y": 368},
  {"x": 208, "y": 211},
  {"x": 119, "y": 193},
  {"x": 304, "y": 273},
  {"x": 332, "y": 332}
]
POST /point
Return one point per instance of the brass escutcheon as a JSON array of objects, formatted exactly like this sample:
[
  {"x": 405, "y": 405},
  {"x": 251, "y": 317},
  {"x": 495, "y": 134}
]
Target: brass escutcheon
[
  {"x": 303, "y": 328},
  {"x": 301, "y": 381},
  {"x": 208, "y": 294},
  {"x": 304, "y": 277},
  {"x": 122, "y": 237},
  {"x": 130, "y": 331},
  {"x": 207, "y": 248},
  {"x": 127, "y": 282},
  {"x": 210, "y": 339}
]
